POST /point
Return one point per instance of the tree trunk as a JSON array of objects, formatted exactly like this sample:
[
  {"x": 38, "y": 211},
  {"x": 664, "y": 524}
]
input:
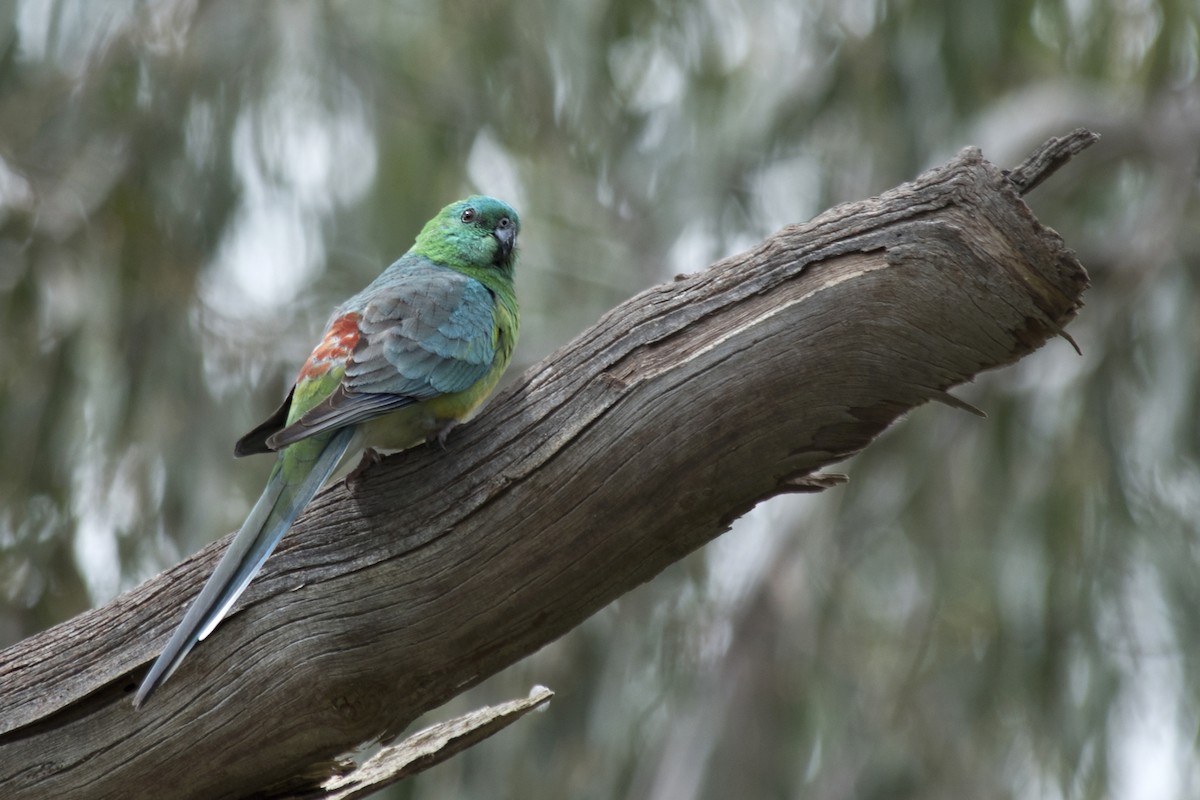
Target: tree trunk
[{"x": 614, "y": 457}]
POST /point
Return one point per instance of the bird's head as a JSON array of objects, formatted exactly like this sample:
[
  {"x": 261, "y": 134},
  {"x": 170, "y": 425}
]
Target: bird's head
[{"x": 478, "y": 233}]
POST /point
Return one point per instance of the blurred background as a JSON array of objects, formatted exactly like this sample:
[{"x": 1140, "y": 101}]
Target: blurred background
[{"x": 1006, "y": 608}]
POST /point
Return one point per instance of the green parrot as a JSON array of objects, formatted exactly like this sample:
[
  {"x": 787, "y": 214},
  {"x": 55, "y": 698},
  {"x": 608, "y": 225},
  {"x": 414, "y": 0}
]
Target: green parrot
[{"x": 401, "y": 362}]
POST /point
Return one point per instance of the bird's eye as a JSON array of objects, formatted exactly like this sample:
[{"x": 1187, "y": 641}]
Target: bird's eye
[
  {"x": 504, "y": 222},
  {"x": 468, "y": 215}
]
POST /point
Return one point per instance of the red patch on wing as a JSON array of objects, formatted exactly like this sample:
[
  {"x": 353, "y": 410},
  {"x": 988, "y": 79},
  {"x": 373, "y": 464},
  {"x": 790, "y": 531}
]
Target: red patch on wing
[{"x": 335, "y": 348}]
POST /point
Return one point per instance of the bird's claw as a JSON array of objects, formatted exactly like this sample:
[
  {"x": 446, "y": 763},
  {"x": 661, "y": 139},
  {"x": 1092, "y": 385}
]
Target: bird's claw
[
  {"x": 370, "y": 457},
  {"x": 444, "y": 433}
]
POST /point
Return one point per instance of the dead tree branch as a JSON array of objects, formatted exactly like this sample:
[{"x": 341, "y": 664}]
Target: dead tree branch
[{"x": 619, "y": 454}]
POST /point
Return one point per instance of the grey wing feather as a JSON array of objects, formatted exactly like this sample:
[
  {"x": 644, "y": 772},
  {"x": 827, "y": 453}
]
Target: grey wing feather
[{"x": 428, "y": 335}]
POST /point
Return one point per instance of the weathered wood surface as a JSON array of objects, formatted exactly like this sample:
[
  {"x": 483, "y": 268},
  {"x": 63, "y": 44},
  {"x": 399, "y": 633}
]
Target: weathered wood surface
[
  {"x": 619, "y": 454},
  {"x": 428, "y": 747}
]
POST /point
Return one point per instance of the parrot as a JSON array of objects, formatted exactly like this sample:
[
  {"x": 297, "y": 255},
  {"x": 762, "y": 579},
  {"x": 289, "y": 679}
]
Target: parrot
[{"x": 401, "y": 362}]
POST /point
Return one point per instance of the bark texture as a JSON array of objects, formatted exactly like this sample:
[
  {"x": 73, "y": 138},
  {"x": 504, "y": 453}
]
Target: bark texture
[{"x": 627, "y": 449}]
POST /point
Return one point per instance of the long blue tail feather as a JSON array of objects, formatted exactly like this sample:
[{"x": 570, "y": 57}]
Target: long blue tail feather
[{"x": 270, "y": 518}]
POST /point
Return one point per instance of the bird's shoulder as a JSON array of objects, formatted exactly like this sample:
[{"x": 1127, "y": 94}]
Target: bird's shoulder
[{"x": 416, "y": 290}]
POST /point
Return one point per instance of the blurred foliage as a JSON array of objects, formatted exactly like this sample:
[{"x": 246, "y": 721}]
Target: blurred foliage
[{"x": 997, "y": 609}]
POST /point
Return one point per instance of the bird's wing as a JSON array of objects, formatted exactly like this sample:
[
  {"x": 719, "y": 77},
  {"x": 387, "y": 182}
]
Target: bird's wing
[
  {"x": 319, "y": 377},
  {"x": 431, "y": 332}
]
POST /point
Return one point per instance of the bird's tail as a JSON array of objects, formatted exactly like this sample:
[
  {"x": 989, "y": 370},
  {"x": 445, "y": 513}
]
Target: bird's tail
[{"x": 300, "y": 470}]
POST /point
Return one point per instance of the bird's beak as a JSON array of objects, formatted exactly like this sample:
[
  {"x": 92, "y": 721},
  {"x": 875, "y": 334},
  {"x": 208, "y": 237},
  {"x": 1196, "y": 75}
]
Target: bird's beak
[{"x": 507, "y": 237}]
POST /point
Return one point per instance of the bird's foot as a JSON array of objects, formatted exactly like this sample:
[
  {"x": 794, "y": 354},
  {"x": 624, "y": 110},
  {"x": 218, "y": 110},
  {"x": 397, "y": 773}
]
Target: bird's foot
[
  {"x": 370, "y": 457},
  {"x": 445, "y": 432}
]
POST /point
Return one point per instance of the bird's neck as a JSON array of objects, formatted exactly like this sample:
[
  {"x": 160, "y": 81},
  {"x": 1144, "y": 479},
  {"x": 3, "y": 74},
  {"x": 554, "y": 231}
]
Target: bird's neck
[{"x": 497, "y": 278}]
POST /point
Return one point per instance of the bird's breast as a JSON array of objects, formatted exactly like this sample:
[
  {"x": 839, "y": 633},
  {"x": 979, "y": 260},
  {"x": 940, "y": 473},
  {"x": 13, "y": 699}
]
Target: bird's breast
[{"x": 412, "y": 425}]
